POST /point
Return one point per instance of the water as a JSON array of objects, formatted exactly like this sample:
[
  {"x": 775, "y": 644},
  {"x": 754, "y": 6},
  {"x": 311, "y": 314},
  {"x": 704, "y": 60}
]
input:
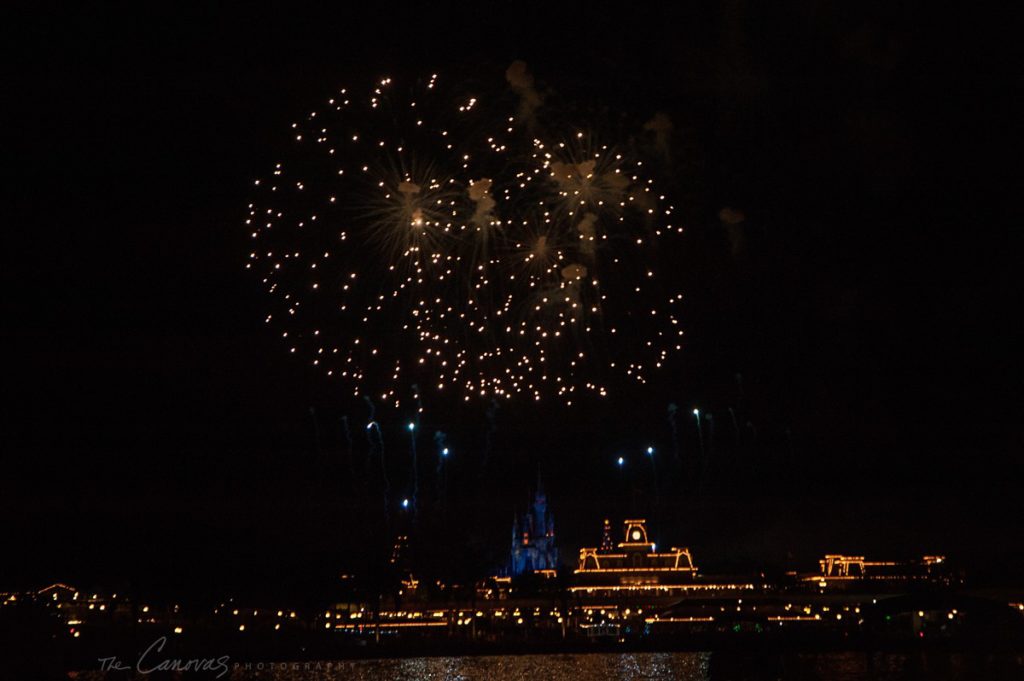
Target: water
[
  {"x": 725, "y": 666},
  {"x": 719, "y": 666}
]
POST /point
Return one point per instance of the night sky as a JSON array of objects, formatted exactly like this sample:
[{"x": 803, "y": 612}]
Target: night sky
[{"x": 155, "y": 435}]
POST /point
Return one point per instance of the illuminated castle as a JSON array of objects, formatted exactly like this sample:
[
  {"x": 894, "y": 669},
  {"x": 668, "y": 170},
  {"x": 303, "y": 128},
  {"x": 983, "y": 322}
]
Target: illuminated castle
[{"x": 533, "y": 539}]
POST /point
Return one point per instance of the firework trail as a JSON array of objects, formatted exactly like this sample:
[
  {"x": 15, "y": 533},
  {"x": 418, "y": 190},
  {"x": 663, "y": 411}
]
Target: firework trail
[
  {"x": 672, "y": 409},
  {"x": 701, "y": 467},
  {"x": 735, "y": 426},
  {"x": 654, "y": 474},
  {"x": 373, "y": 427},
  {"x": 371, "y": 419},
  {"x": 441, "y": 445},
  {"x": 413, "y": 427},
  {"x": 415, "y": 470},
  {"x": 472, "y": 243}
]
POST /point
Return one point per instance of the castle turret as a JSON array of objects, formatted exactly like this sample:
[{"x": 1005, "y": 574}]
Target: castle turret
[{"x": 540, "y": 511}]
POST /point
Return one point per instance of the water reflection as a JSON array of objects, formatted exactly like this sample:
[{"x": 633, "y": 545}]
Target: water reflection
[
  {"x": 629, "y": 667},
  {"x": 719, "y": 666}
]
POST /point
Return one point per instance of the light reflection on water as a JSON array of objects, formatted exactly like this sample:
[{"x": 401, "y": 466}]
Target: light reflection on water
[
  {"x": 721, "y": 666},
  {"x": 627, "y": 667},
  {"x": 718, "y": 666}
]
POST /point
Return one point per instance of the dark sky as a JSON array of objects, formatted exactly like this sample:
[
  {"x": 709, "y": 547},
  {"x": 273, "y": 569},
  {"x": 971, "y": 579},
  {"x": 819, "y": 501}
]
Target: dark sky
[{"x": 154, "y": 433}]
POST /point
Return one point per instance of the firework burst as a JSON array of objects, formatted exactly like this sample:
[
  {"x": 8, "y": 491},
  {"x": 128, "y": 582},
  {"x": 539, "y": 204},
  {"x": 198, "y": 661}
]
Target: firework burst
[{"x": 422, "y": 235}]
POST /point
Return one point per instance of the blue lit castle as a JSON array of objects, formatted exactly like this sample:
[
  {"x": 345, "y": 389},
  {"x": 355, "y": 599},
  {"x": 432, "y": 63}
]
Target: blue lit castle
[{"x": 533, "y": 539}]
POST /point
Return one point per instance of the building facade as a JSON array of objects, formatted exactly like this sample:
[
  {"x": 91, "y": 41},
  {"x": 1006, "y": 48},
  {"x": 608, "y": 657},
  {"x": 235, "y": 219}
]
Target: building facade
[{"x": 633, "y": 565}]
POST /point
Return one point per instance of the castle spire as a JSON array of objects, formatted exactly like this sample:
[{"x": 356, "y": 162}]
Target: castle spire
[{"x": 533, "y": 536}]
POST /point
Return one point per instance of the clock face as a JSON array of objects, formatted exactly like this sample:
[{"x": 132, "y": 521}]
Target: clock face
[{"x": 636, "y": 535}]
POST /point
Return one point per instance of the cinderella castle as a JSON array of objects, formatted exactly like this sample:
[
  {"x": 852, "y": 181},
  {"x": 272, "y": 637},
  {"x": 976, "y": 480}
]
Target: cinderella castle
[{"x": 533, "y": 539}]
